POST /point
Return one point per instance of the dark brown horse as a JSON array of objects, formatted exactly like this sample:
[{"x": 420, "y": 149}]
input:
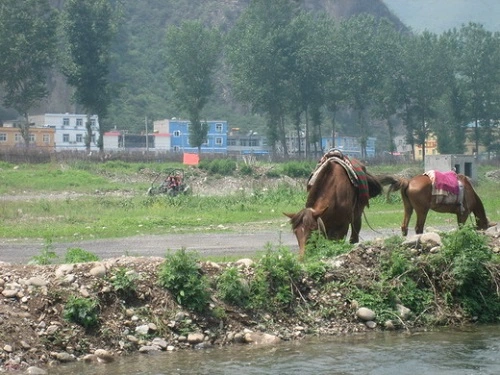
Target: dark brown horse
[
  {"x": 336, "y": 199},
  {"x": 417, "y": 194}
]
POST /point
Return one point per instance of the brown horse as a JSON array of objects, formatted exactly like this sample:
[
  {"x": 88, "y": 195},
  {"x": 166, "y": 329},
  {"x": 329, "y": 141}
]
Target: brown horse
[
  {"x": 417, "y": 194},
  {"x": 336, "y": 199}
]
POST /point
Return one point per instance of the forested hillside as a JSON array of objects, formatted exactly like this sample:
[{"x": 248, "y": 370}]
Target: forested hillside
[{"x": 138, "y": 70}]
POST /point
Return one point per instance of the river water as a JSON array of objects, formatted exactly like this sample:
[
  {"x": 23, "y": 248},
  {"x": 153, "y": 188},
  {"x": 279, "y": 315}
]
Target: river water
[{"x": 457, "y": 351}]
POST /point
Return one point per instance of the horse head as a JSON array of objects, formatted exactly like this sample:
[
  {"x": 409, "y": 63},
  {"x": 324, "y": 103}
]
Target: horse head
[{"x": 304, "y": 223}]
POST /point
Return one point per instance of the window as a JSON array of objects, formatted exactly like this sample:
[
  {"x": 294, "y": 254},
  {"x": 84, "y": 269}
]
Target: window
[
  {"x": 79, "y": 122},
  {"x": 46, "y": 138},
  {"x": 176, "y": 148},
  {"x": 92, "y": 122},
  {"x": 231, "y": 142},
  {"x": 66, "y": 121},
  {"x": 32, "y": 138},
  {"x": 79, "y": 138},
  {"x": 177, "y": 133},
  {"x": 66, "y": 138},
  {"x": 218, "y": 127},
  {"x": 18, "y": 138},
  {"x": 218, "y": 141},
  {"x": 3, "y": 137}
]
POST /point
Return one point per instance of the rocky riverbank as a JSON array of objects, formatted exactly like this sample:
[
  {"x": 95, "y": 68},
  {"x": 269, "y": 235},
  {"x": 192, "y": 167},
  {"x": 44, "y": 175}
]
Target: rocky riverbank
[{"x": 36, "y": 333}]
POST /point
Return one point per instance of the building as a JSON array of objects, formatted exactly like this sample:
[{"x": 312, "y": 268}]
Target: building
[
  {"x": 173, "y": 135},
  {"x": 70, "y": 130},
  {"x": 350, "y": 146},
  {"x": 246, "y": 143},
  {"x": 40, "y": 137}
]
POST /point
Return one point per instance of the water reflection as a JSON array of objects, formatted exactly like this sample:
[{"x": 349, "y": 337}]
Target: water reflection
[{"x": 469, "y": 351}]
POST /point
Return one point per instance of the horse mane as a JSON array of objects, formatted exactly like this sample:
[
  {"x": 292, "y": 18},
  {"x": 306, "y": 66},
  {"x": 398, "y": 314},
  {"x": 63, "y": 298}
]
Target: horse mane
[
  {"x": 317, "y": 188},
  {"x": 304, "y": 216}
]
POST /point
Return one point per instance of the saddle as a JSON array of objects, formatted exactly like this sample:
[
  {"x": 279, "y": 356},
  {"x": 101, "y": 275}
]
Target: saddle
[
  {"x": 354, "y": 169},
  {"x": 446, "y": 187}
]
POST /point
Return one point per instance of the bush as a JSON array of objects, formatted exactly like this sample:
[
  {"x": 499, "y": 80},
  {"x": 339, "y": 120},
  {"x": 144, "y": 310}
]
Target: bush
[
  {"x": 223, "y": 167},
  {"x": 46, "y": 255},
  {"x": 319, "y": 247},
  {"x": 276, "y": 277},
  {"x": 123, "y": 282},
  {"x": 298, "y": 169},
  {"x": 82, "y": 311},
  {"x": 78, "y": 255},
  {"x": 232, "y": 287},
  {"x": 180, "y": 274},
  {"x": 464, "y": 277}
]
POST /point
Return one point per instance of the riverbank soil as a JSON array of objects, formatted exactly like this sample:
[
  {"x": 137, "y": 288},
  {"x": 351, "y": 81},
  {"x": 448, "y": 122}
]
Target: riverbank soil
[{"x": 34, "y": 303}]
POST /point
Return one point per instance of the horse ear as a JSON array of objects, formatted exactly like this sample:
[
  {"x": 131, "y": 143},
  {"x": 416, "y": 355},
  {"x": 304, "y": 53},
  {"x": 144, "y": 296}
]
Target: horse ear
[{"x": 289, "y": 215}]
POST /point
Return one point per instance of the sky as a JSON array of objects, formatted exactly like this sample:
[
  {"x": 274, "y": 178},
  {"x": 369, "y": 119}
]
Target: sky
[{"x": 441, "y": 15}]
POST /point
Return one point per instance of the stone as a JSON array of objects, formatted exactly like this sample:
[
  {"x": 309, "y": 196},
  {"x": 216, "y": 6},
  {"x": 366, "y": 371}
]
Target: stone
[
  {"x": 33, "y": 370},
  {"x": 259, "y": 338},
  {"x": 98, "y": 271},
  {"x": 403, "y": 312},
  {"x": 195, "y": 338},
  {"x": 104, "y": 356},
  {"x": 365, "y": 314}
]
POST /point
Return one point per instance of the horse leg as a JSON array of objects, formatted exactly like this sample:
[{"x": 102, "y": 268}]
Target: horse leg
[
  {"x": 355, "y": 228},
  {"x": 421, "y": 217},
  {"x": 408, "y": 210}
]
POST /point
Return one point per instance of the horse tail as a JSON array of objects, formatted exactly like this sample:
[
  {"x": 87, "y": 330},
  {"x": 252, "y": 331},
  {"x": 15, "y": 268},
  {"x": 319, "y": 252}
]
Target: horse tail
[{"x": 395, "y": 184}]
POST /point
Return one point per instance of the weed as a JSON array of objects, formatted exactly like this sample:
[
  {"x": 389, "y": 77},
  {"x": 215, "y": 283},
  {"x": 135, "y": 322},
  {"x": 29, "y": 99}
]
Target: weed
[
  {"x": 319, "y": 247},
  {"x": 46, "y": 256},
  {"x": 276, "y": 277},
  {"x": 124, "y": 282},
  {"x": 82, "y": 311},
  {"x": 232, "y": 287},
  {"x": 464, "y": 277},
  {"x": 180, "y": 273},
  {"x": 78, "y": 255}
]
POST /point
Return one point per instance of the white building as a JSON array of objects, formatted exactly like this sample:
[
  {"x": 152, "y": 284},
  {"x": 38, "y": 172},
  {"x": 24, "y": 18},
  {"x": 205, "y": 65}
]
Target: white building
[{"x": 70, "y": 131}]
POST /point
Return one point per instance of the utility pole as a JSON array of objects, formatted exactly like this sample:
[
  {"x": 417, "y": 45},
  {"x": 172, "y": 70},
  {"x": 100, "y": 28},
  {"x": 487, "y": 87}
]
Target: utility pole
[{"x": 147, "y": 138}]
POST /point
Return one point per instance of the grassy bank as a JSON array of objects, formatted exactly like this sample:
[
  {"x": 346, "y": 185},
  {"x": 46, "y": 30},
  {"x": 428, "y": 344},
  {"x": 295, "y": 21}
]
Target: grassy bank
[{"x": 84, "y": 200}]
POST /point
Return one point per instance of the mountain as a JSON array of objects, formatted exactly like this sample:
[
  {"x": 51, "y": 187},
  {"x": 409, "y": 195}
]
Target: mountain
[{"x": 441, "y": 15}]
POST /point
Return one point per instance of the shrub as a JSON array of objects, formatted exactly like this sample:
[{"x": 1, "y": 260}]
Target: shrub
[
  {"x": 232, "y": 287},
  {"x": 298, "y": 169},
  {"x": 78, "y": 255},
  {"x": 319, "y": 247},
  {"x": 180, "y": 274},
  {"x": 82, "y": 311},
  {"x": 123, "y": 282},
  {"x": 464, "y": 278},
  {"x": 246, "y": 170},
  {"x": 223, "y": 167},
  {"x": 46, "y": 255},
  {"x": 276, "y": 277}
]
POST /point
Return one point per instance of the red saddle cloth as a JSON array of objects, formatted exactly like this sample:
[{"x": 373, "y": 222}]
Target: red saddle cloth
[{"x": 443, "y": 182}]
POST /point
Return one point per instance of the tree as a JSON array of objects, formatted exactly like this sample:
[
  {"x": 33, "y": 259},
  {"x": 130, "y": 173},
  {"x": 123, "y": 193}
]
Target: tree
[
  {"x": 192, "y": 53},
  {"x": 478, "y": 61},
  {"x": 361, "y": 70},
  {"x": 260, "y": 51},
  {"x": 423, "y": 85},
  {"x": 28, "y": 52},
  {"x": 89, "y": 28}
]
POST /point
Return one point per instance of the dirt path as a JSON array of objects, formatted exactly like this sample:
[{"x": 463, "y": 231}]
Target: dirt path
[{"x": 214, "y": 244}]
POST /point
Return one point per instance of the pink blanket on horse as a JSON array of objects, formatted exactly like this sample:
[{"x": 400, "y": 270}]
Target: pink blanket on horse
[{"x": 443, "y": 182}]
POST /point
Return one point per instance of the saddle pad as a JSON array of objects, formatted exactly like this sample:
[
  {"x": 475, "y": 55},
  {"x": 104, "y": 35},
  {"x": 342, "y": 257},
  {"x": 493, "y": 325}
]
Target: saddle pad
[
  {"x": 354, "y": 170},
  {"x": 443, "y": 182}
]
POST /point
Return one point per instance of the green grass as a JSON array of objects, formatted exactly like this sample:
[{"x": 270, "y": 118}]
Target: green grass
[{"x": 96, "y": 216}]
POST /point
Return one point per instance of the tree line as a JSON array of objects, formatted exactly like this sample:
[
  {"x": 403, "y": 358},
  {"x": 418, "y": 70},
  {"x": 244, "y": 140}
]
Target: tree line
[{"x": 296, "y": 68}]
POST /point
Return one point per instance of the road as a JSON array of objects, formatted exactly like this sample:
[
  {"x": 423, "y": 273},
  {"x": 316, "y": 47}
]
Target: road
[{"x": 213, "y": 244}]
